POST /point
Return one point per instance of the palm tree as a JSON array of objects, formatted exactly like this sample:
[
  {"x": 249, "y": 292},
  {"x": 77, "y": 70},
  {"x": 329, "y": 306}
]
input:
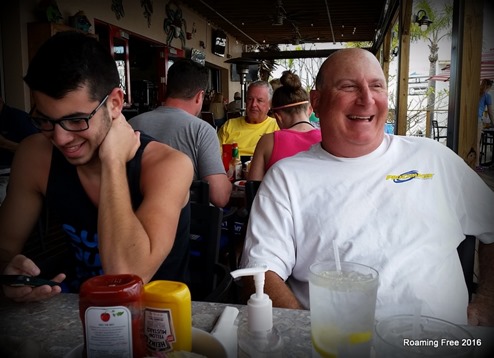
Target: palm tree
[{"x": 441, "y": 20}]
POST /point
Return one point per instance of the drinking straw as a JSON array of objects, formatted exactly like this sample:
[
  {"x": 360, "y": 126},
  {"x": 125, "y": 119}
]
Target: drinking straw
[
  {"x": 336, "y": 256},
  {"x": 416, "y": 321}
]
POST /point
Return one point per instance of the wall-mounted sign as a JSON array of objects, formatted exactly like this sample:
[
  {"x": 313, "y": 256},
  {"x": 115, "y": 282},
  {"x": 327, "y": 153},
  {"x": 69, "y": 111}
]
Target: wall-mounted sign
[
  {"x": 198, "y": 56},
  {"x": 219, "y": 43}
]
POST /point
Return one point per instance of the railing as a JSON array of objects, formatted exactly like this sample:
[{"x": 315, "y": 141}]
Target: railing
[{"x": 419, "y": 121}]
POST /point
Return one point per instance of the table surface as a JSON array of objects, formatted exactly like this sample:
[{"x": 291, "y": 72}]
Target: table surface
[{"x": 52, "y": 328}]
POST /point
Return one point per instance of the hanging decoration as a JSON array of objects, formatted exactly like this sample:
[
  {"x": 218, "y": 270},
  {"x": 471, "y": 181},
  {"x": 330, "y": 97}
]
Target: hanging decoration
[
  {"x": 80, "y": 21},
  {"x": 117, "y": 8},
  {"x": 174, "y": 24},
  {"x": 48, "y": 11},
  {"x": 148, "y": 10}
]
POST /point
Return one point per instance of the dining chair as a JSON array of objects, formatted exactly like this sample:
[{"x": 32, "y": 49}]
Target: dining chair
[
  {"x": 251, "y": 187},
  {"x": 233, "y": 114},
  {"x": 486, "y": 146},
  {"x": 199, "y": 192},
  {"x": 437, "y": 131},
  {"x": 466, "y": 252},
  {"x": 209, "y": 280},
  {"x": 208, "y": 117}
]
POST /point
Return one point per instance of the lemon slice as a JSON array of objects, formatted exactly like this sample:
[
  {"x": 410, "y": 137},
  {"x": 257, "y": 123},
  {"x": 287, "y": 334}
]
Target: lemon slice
[
  {"x": 326, "y": 340},
  {"x": 360, "y": 337}
]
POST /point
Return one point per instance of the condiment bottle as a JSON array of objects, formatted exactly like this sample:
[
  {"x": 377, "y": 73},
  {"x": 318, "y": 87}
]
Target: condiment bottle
[
  {"x": 167, "y": 317},
  {"x": 110, "y": 307},
  {"x": 235, "y": 168},
  {"x": 258, "y": 338},
  {"x": 226, "y": 155}
]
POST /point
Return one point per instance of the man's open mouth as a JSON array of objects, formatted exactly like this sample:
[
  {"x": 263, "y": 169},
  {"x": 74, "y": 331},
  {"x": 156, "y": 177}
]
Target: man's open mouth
[{"x": 361, "y": 118}]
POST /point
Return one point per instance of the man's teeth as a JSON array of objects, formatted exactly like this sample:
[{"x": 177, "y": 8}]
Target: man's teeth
[{"x": 358, "y": 118}]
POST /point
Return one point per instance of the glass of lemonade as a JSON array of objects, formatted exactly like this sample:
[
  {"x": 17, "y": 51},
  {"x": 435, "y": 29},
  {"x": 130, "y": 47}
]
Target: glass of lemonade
[{"x": 342, "y": 307}]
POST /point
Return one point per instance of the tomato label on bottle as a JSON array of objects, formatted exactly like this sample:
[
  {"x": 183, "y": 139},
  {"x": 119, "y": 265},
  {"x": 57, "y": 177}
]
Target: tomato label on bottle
[
  {"x": 108, "y": 331},
  {"x": 158, "y": 329}
]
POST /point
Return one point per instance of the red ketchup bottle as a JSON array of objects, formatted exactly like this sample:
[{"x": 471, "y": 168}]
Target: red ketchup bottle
[{"x": 110, "y": 308}]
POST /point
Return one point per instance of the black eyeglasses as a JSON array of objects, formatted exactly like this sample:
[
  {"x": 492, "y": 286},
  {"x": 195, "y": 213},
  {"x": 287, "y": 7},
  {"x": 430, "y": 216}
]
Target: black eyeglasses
[{"x": 74, "y": 124}]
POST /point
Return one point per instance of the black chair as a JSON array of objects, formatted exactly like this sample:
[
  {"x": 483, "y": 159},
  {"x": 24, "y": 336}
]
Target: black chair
[
  {"x": 199, "y": 192},
  {"x": 251, "y": 187},
  {"x": 209, "y": 280},
  {"x": 466, "y": 252},
  {"x": 233, "y": 114},
  {"x": 437, "y": 131},
  {"x": 486, "y": 146},
  {"x": 209, "y": 117}
]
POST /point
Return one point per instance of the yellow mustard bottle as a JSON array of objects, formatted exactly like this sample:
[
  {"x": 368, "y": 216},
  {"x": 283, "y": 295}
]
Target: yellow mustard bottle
[{"x": 167, "y": 317}]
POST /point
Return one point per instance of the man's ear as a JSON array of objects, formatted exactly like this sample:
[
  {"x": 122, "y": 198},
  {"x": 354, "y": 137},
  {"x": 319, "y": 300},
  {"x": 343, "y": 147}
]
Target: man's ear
[
  {"x": 314, "y": 100},
  {"x": 115, "y": 102},
  {"x": 199, "y": 97}
]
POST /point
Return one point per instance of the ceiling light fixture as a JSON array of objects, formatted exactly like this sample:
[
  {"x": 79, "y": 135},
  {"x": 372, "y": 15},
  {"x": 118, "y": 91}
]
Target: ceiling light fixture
[
  {"x": 422, "y": 20},
  {"x": 280, "y": 14}
]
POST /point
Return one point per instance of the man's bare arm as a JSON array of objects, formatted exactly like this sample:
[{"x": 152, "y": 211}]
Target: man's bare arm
[
  {"x": 220, "y": 189},
  {"x": 139, "y": 241},
  {"x": 481, "y": 309}
]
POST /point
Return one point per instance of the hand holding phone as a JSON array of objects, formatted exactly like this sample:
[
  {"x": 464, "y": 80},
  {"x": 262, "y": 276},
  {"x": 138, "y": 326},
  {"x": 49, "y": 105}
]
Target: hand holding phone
[{"x": 24, "y": 280}]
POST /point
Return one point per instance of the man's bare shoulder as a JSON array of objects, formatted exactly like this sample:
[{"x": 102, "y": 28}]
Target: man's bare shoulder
[
  {"x": 34, "y": 152},
  {"x": 161, "y": 156},
  {"x": 32, "y": 162},
  {"x": 166, "y": 172}
]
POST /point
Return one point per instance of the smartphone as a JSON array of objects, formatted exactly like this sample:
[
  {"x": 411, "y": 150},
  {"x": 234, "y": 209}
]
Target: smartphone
[{"x": 23, "y": 280}]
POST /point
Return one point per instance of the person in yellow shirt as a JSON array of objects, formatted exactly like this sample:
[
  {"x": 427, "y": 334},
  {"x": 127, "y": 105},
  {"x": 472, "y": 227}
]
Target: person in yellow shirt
[{"x": 246, "y": 131}]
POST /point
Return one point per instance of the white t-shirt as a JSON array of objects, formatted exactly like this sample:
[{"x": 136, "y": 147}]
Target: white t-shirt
[{"x": 402, "y": 209}]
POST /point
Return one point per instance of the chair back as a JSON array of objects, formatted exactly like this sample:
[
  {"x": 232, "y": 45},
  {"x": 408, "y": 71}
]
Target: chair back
[
  {"x": 251, "y": 187},
  {"x": 199, "y": 192},
  {"x": 466, "y": 252},
  {"x": 209, "y": 117},
  {"x": 437, "y": 131},
  {"x": 209, "y": 280},
  {"x": 233, "y": 114}
]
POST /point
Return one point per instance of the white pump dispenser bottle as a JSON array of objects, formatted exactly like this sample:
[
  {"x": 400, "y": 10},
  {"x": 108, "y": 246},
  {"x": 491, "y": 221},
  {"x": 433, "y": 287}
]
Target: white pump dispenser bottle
[{"x": 258, "y": 338}]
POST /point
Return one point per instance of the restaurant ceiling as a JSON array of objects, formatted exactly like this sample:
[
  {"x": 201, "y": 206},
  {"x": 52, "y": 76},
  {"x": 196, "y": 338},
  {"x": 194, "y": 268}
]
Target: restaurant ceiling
[{"x": 297, "y": 21}]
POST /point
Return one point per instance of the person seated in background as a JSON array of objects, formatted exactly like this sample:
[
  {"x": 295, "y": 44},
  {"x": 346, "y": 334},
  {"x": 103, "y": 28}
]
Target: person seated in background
[
  {"x": 217, "y": 107},
  {"x": 247, "y": 130},
  {"x": 236, "y": 104},
  {"x": 120, "y": 196},
  {"x": 176, "y": 124},
  {"x": 401, "y": 205},
  {"x": 291, "y": 108},
  {"x": 14, "y": 127},
  {"x": 485, "y": 105},
  {"x": 276, "y": 83}
]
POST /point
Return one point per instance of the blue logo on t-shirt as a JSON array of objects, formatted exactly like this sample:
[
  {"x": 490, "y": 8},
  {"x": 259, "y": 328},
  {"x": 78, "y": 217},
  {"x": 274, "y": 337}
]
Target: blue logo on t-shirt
[{"x": 85, "y": 246}]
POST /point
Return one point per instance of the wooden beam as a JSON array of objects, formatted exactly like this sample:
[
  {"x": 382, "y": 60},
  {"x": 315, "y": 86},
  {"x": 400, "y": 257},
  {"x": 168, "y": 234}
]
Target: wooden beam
[
  {"x": 403, "y": 67},
  {"x": 466, "y": 56},
  {"x": 281, "y": 55}
]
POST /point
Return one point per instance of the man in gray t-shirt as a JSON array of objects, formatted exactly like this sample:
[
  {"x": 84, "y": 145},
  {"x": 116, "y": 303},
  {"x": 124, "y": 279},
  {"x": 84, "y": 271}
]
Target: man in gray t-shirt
[{"x": 177, "y": 124}]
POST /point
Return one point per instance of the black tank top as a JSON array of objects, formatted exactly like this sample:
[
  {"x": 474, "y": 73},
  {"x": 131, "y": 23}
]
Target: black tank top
[{"x": 79, "y": 217}]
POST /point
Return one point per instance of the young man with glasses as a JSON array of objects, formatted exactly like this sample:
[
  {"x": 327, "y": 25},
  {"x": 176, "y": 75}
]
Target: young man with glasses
[{"x": 122, "y": 197}]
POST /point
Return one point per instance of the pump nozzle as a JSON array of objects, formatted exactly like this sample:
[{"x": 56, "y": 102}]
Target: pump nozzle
[
  {"x": 259, "y": 306},
  {"x": 258, "y": 274}
]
